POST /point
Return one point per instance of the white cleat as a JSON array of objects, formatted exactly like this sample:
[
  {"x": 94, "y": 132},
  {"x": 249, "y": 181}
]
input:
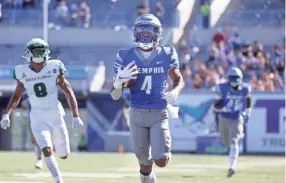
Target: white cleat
[{"x": 39, "y": 164}]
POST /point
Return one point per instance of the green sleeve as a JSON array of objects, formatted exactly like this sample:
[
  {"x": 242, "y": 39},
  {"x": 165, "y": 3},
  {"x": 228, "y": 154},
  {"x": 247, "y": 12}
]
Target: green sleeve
[
  {"x": 14, "y": 74},
  {"x": 62, "y": 69}
]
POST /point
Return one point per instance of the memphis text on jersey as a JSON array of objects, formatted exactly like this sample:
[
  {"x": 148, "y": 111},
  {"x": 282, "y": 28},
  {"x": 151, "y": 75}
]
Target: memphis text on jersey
[{"x": 151, "y": 70}]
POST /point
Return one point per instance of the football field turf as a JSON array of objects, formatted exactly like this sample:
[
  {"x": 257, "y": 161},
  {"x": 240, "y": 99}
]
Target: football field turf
[{"x": 17, "y": 167}]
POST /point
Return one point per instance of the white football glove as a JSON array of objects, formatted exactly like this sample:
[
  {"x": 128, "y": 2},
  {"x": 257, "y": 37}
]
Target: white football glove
[
  {"x": 171, "y": 97},
  {"x": 5, "y": 122},
  {"x": 123, "y": 75},
  {"x": 77, "y": 122}
]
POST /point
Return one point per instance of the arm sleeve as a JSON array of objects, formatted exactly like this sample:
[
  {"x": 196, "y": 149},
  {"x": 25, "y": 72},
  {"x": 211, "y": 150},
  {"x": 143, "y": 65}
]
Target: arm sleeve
[
  {"x": 174, "y": 61},
  {"x": 118, "y": 63},
  {"x": 62, "y": 69}
]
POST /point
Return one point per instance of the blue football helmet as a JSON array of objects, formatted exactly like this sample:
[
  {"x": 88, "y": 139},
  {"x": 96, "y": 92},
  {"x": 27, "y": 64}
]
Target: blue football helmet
[
  {"x": 235, "y": 77},
  {"x": 147, "y": 31}
]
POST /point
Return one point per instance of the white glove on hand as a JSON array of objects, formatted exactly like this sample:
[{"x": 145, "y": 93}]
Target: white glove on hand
[
  {"x": 77, "y": 122},
  {"x": 123, "y": 75},
  {"x": 173, "y": 111},
  {"x": 171, "y": 97},
  {"x": 5, "y": 122}
]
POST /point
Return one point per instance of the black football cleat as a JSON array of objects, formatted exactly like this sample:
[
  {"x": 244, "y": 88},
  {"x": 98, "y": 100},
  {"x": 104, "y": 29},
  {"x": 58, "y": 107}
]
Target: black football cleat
[{"x": 230, "y": 172}]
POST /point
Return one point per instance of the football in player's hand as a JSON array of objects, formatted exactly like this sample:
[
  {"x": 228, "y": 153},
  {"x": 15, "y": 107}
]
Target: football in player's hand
[{"x": 130, "y": 83}]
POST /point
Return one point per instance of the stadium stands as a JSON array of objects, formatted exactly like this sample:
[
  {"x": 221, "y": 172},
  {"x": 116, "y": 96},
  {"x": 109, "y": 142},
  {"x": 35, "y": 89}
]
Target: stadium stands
[
  {"x": 107, "y": 14},
  {"x": 254, "y": 13},
  {"x": 104, "y": 13}
]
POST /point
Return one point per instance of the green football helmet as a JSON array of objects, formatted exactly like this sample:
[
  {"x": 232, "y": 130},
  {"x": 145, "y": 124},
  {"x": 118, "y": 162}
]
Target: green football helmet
[{"x": 37, "y": 51}]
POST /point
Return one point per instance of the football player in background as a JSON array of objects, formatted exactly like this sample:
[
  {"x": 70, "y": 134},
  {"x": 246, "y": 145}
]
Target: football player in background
[
  {"x": 233, "y": 104},
  {"x": 144, "y": 69},
  {"x": 40, "y": 78},
  {"x": 25, "y": 104}
]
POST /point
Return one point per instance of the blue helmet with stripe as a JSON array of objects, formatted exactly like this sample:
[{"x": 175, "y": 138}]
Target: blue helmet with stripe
[
  {"x": 147, "y": 31},
  {"x": 235, "y": 77}
]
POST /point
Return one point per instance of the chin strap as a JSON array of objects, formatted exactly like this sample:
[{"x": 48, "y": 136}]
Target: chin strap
[{"x": 236, "y": 88}]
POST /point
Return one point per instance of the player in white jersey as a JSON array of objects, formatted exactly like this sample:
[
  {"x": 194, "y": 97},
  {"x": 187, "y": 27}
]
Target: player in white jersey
[
  {"x": 40, "y": 78},
  {"x": 25, "y": 104}
]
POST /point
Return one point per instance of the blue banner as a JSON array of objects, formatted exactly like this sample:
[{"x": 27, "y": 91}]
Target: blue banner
[
  {"x": 104, "y": 115},
  {"x": 77, "y": 72},
  {"x": 6, "y": 72},
  {"x": 73, "y": 72}
]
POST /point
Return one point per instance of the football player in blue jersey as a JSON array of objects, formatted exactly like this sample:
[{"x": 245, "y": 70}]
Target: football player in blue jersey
[
  {"x": 148, "y": 65},
  {"x": 233, "y": 104}
]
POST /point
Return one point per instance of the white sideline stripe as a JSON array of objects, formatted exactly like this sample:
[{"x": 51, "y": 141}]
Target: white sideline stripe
[
  {"x": 76, "y": 175},
  {"x": 241, "y": 165},
  {"x": 130, "y": 169},
  {"x": 18, "y": 182},
  {"x": 205, "y": 167}
]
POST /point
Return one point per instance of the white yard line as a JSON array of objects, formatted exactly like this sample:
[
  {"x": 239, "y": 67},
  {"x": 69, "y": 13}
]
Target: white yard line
[
  {"x": 125, "y": 172},
  {"x": 240, "y": 165},
  {"x": 77, "y": 175},
  {"x": 169, "y": 169},
  {"x": 18, "y": 182},
  {"x": 204, "y": 167}
]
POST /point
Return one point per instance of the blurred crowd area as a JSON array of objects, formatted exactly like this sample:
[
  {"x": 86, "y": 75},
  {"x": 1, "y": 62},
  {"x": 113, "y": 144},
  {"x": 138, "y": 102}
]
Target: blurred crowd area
[
  {"x": 84, "y": 13},
  {"x": 76, "y": 15},
  {"x": 65, "y": 15},
  {"x": 122, "y": 13},
  {"x": 263, "y": 67},
  {"x": 202, "y": 66},
  {"x": 18, "y": 4}
]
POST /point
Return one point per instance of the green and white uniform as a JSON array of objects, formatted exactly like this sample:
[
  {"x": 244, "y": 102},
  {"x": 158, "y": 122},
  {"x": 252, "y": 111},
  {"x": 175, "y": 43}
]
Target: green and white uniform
[{"x": 46, "y": 115}]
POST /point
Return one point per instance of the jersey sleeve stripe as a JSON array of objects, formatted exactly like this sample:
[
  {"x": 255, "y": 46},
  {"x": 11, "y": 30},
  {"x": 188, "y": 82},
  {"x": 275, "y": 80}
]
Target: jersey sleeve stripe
[
  {"x": 174, "y": 57},
  {"x": 62, "y": 68},
  {"x": 118, "y": 58},
  {"x": 173, "y": 61},
  {"x": 14, "y": 75},
  {"x": 62, "y": 71},
  {"x": 115, "y": 68},
  {"x": 174, "y": 66},
  {"x": 117, "y": 65}
]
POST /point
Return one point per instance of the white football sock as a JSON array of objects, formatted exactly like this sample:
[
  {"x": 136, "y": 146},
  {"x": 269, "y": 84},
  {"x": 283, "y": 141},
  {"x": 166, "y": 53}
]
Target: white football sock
[
  {"x": 233, "y": 155},
  {"x": 37, "y": 151},
  {"x": 54, "y": 169},
  {"x": 148, "y": 179}
]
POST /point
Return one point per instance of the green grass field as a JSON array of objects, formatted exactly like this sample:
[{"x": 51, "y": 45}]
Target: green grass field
[{"x": 17, "y": 167}]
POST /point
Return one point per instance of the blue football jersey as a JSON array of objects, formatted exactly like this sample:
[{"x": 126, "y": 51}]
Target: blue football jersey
[
  {"x": 150, "y": 86},
  {"x": 233, "y": 101}
]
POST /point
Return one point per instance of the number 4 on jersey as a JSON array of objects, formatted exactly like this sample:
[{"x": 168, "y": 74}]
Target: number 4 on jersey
[{"x": 147, "y": 84}]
